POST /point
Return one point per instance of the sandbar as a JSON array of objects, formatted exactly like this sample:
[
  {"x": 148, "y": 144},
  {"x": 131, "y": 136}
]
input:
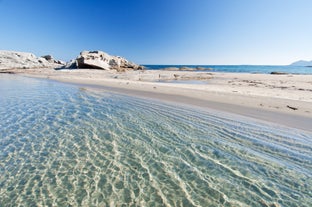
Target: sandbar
[{"x": 280, "y": 99}]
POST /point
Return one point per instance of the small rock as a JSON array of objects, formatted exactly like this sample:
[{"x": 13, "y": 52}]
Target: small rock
[
  {"x": 291, "y": 107},
  {"x": 175, "y": 76},
  {"x": 278, "y": 73}
]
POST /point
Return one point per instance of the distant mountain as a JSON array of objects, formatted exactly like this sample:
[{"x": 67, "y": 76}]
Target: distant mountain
[{"x": 302, "y": 63}]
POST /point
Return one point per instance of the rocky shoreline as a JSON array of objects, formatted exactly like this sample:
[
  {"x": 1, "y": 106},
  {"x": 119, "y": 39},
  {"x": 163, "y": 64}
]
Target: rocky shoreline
[
  {"x": 25, "y": 60},
  {"x": 85, "y": 60}
]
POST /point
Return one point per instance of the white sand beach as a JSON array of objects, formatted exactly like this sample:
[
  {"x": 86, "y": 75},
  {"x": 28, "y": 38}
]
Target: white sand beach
[{"x": 282, "y": 99}]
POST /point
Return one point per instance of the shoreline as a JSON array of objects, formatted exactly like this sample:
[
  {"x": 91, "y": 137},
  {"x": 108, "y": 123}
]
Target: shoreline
[
  {"x": 277, "y": 118},
  {"x": 223, "y": 92}
]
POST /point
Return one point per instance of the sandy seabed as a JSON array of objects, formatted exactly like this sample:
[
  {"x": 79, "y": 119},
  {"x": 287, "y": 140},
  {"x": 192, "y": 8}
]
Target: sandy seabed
[{"x": 281, "y": 99}]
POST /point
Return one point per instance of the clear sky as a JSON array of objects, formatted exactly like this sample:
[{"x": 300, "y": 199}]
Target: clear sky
[{"x": 162, "y": 31}]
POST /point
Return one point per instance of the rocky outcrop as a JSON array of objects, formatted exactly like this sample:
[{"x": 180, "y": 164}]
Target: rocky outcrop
[
  {"x": 24, "y": 60},
  {"x": 101, "y": 60},
  {"x": 86, "y": 59}
]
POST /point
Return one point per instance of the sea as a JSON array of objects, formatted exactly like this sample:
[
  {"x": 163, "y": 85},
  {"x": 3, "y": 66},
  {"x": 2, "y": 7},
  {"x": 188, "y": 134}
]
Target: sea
[
  {"x": 263, "y": 69},
  {"x": 68, "y": 145}
]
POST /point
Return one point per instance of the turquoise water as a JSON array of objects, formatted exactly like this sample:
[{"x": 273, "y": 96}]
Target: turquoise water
[
  {"x": 61, "y": 145},
  {"x": 244, "y": 68}
]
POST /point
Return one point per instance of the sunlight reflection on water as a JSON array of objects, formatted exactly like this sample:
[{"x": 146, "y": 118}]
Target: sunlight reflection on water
[{"x": 61, "y": 146}]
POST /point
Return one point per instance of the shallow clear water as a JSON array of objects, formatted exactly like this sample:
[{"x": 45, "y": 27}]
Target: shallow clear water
[{"x": 61, "y": 145}]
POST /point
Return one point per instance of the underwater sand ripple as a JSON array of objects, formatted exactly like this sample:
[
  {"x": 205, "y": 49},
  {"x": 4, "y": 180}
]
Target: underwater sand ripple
[{"x": 62, "y": 146}]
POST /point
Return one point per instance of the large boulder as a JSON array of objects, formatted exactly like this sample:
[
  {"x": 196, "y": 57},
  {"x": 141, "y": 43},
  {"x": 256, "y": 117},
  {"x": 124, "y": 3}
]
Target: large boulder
[
  {"x": 94, "y": 59},
  {"x": 101, "y": 60},
  {"x": 25, "y": 60}
]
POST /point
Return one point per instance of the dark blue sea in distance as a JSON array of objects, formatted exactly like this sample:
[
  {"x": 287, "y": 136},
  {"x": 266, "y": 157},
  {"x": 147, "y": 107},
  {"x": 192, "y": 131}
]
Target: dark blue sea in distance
[{"x": 265, "y": 69}]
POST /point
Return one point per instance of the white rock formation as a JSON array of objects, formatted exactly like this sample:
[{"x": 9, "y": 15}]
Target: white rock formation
[
  {"x": 25, "y": 60},
  {"x": 101, "y": 60}
]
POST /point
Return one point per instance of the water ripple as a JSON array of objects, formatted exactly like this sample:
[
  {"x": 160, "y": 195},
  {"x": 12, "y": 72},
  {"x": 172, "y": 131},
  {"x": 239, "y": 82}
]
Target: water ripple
[{"x": 61, "y": 146}]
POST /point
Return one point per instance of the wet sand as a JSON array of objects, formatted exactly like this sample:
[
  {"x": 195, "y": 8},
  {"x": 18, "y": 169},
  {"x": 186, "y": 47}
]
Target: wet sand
[{"x": 281, "y": 99}]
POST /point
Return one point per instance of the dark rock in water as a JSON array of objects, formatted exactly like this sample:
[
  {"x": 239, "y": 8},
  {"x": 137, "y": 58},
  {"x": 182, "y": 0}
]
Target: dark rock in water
[{"x": 278, "y": 73}]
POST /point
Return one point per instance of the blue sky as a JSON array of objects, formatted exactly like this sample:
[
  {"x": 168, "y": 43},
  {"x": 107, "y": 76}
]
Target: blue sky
[{"x": 162, "y": 31}]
